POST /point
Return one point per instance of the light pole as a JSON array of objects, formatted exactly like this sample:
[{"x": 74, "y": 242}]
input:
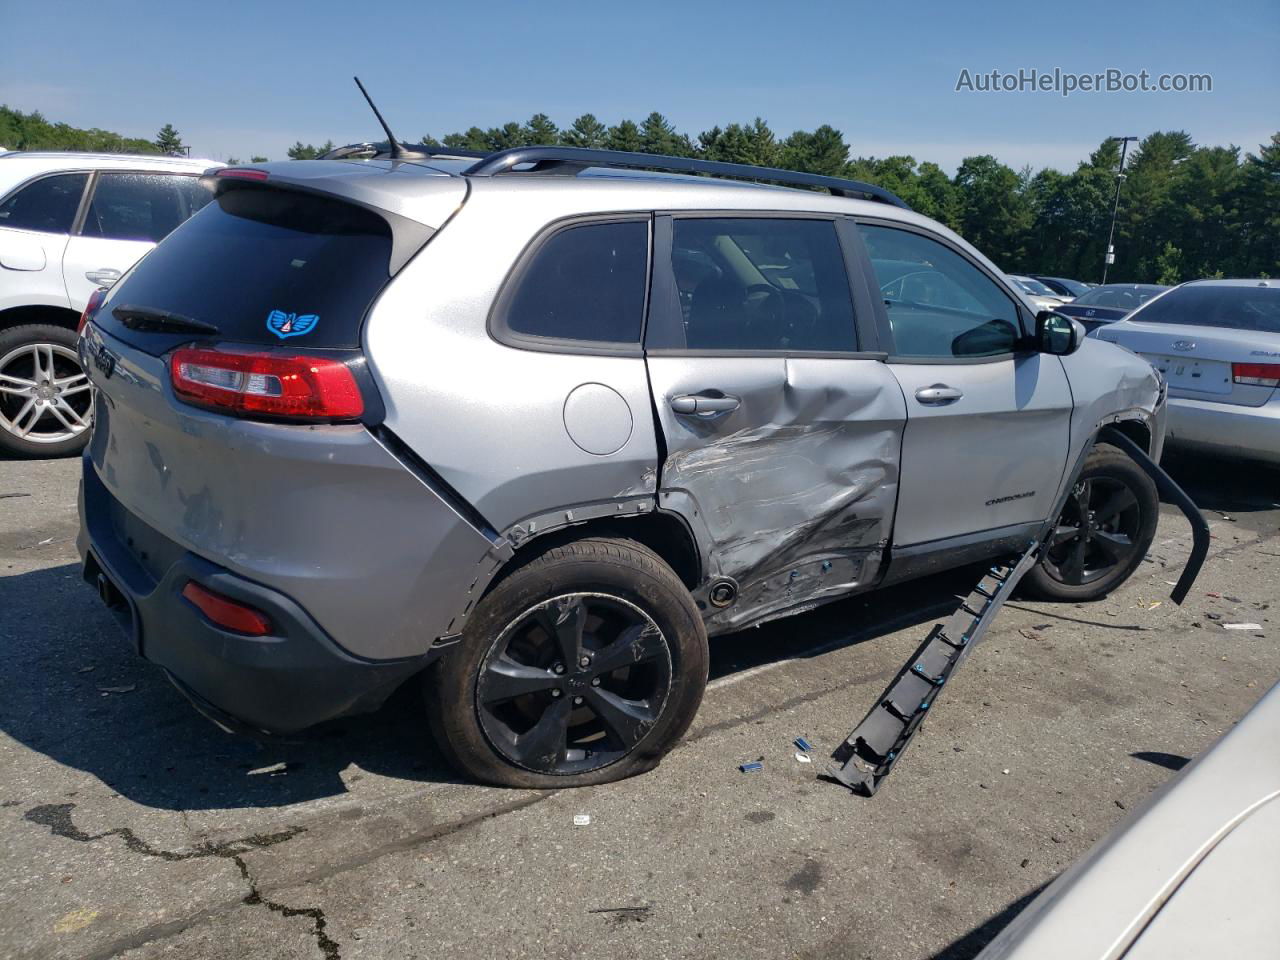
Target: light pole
[{"x": 1115, "y": 206}]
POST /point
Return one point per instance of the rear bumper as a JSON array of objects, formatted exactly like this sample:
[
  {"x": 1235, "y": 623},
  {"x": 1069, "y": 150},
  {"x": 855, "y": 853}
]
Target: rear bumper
[
  {"x": 1227, "y": 429},
  {"x": 276, "y": 684}
]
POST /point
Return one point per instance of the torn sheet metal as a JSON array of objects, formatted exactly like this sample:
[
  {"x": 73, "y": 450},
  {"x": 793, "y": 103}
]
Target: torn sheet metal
[{"x": 793, "y": 491}]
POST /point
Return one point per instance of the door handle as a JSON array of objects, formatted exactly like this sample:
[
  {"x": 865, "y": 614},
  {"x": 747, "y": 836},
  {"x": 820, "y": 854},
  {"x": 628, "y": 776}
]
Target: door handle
[
  {"x": 697, "y": 404},
  {"x": 938, "y": 395},
  {"x": 104, "y": 277}
]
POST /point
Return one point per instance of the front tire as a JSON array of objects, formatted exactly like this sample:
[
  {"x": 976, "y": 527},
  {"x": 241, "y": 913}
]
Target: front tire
[
  {"x": 1105, "y": 529},
  {"x": 46, "y": 401},
  {"x": 585, "y": 665}
]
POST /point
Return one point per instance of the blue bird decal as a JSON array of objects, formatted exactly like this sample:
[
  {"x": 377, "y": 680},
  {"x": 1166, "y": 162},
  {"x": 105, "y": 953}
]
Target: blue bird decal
[{"x": 285, "y": 325}]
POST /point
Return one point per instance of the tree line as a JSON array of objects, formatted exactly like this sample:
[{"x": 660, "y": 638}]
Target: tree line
[{"x": 1186, "y": 210}]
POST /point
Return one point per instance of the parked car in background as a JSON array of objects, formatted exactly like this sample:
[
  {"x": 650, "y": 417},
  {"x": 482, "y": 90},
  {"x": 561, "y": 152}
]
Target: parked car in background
[
  {"x": 1062, "y": 286},
  {"x": 1038, "y": 293},
  {"x": 1101, "y": 305},
  {"x": 1217, "y": 343},
  {"x": 71, "y": 223},
  {"x": 1191, "y": 874},
  {"x": 527, "y": 429}
]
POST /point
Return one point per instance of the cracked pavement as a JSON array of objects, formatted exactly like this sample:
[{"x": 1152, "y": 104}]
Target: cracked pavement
[{"x": 132, "y": 827}]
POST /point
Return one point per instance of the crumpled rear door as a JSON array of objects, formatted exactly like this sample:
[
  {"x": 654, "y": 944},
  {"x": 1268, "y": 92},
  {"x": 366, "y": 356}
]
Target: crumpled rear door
[{"x": 786, "y": 467}]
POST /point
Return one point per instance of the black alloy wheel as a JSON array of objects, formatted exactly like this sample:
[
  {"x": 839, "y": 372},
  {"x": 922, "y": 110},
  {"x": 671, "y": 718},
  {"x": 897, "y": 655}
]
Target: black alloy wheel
[
  {"x": 574, "y": 683},
  {"x": 1099, "y": 530}
]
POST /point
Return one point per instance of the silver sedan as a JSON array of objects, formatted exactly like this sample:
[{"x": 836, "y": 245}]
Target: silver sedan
[{"x": 1217, "y": 343}]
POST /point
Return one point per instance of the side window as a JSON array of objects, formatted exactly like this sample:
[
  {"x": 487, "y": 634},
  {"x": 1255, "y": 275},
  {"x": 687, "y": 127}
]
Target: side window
[
  {"x": 939, "y": 304},
  {"x": 141, "y": 206},
  {"x": 585, "y": 282},
  {"x": 48, "y": 205},
  {"x": 772, "y": 285}
]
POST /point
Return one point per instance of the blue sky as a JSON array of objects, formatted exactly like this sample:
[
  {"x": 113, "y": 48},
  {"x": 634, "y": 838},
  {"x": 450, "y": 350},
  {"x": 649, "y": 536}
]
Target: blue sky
[{"x": 241, "y": 78}]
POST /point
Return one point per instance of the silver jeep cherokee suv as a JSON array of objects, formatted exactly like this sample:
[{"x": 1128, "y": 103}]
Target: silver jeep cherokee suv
[{"x": 534, "y": 426}]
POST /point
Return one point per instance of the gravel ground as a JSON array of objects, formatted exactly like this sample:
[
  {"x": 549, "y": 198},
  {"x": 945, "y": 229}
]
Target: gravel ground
[{"x": 132, "y": 827}]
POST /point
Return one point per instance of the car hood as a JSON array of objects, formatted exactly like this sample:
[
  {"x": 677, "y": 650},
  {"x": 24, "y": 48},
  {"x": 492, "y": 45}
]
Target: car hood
[{"x": 1219, "y": 815}]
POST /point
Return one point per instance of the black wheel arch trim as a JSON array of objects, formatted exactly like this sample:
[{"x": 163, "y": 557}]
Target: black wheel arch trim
[{"x": 1169, "y": 490}]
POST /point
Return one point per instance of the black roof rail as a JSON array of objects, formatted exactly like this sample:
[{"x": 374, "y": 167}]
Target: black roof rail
[{"x": 566, "y": 159}]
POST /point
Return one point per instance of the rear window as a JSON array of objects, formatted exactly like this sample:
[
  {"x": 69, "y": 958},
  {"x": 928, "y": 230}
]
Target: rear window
[
  {"x": 1238, "y": 308},
  {"x": 1127, "y": 298},
  {"x": 263, "y": 266}
]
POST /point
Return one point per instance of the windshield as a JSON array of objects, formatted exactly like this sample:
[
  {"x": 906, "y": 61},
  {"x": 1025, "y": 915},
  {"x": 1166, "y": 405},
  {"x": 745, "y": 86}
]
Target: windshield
[
  {"x": 1237, "y": 308},
  {"x": 1034, "y": 286},
  {"x": 1127, "y": 297},
  {"x": 1073, "y": 287}
]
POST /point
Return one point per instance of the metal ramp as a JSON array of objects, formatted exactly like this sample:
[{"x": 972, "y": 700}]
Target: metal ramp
[{"x": 869, "y": 753}]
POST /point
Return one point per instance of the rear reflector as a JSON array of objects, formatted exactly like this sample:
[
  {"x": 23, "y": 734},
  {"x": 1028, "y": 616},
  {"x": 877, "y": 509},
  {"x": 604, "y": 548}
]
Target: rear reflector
[
  {"x": 242, "y": 173},
  {"x": 90, "y": 308},
  {"x": 270, "y": 384},
  {"x": 226, "y": 612},
  {"x": 1256, "y": 374}
]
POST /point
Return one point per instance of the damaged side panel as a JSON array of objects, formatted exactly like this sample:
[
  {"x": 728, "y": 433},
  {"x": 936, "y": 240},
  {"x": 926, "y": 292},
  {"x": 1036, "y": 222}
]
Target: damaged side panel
[{"x": 792, "y": 493}]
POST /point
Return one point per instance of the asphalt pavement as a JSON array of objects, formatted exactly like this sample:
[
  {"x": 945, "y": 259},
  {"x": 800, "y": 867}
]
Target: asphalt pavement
[{"x": 132, "y": 827}]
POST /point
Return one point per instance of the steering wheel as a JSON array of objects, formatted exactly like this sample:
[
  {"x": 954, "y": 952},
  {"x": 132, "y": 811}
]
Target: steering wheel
[{"x": 770, "y": 308}]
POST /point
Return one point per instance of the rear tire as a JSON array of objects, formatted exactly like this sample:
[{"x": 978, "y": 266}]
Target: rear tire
[
  {"x": 46, "y": 406},
  {"x": 507, "y": 707},
  {"x": 1104, "y": 532}
]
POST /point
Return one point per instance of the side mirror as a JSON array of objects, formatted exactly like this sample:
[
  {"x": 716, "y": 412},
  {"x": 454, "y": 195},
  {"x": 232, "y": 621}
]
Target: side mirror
[{"x": 1058, "y": 335}]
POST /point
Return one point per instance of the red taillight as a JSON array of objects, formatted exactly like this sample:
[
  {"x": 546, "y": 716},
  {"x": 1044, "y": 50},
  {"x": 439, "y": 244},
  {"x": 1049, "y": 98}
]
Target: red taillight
[
  {"x": 242, "y": 173},
  {"x": 226, "y": 612},
  {"x": 90, "y": 308},
  {"x": 1256, "y": 374},
  {"x": 271, "y": 384}
]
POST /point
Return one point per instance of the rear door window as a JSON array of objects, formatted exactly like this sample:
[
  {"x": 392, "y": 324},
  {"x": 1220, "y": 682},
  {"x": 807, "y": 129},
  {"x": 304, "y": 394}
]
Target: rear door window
[
  {"x": 262, "y": 265},
  {"x": 771, "y": 285},
  {"x": 48, "y": 205},
  {"x": 584, "y": 283},
  {"x": 141, "y": 206}
]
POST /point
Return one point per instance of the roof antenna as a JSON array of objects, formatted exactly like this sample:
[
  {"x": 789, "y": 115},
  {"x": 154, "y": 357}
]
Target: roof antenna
[{"x": 397, "y": 151}]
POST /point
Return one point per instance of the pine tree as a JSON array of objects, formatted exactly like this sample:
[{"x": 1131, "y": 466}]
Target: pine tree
[
  {"x": 995, "y": 214},
  {"x": 753, "y": 144},
  {"x": 823, "y": 151},
  {"x": 1258, "y": 242},
  {"x": 1169, "y": 265},
  {"x": 505, "y": 137},
  {"x": 625, "y": 136},
  {"x": 587, "y": 132},
  {"x": 168, "y": 141},
  {"x": 540, "y": 131},
  {"x": 657, "y": 135}
]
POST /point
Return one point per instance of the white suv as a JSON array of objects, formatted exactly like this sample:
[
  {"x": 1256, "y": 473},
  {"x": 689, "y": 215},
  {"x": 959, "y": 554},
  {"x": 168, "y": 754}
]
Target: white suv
[{"x": 69, "y": 224}]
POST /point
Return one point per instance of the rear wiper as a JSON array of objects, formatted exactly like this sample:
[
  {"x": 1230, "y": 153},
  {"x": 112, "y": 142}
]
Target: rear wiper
[{"x": 159, "y": 321}]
